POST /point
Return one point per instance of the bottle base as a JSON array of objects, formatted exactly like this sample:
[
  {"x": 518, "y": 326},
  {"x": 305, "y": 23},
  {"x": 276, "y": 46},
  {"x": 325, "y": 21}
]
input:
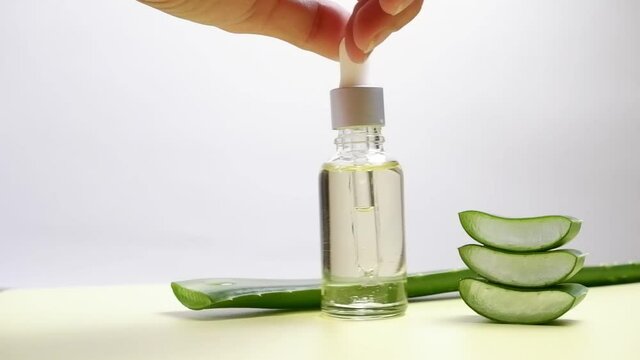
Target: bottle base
[
  {"x": 364, "y": 313},
  {"x": 349, "y": 299}
]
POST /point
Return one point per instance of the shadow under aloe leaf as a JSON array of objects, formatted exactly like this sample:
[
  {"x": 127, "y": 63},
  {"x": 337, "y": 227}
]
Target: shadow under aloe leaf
[
  {"x": 228, "y": 314},
  {"x": 248, "y": 313},
  {"x": 477, "y": 319},
  {"x": 562, "y": 322}
]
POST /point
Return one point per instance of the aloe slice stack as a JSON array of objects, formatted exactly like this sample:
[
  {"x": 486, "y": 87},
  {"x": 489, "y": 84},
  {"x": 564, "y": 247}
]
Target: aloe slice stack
[{"x": 522, "y": 278}]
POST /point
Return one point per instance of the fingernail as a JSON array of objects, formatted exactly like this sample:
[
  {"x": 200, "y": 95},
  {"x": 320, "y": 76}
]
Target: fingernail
[
  {"x": 370, "y": 47},
  {"x": 400, "y": 7},
  {"x": 377, "y": 39}
]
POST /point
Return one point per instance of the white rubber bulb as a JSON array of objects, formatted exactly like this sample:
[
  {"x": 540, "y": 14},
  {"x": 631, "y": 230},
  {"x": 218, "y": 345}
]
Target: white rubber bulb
[{"x": 351, "y": 73}]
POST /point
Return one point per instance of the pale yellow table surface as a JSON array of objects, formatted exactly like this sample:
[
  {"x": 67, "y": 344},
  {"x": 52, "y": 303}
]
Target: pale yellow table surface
[{"x": 146, "y": 322}]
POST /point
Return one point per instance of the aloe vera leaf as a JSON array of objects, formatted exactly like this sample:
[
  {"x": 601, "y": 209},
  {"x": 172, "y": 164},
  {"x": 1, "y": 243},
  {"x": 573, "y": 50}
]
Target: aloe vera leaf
[
  {"x": 608, "y": 274},
  {"x": 520, "y": 306},
  {"x": 520, "y": 234},
  {"x": 436, "y": 282},
  {"x": 305, "y": 294},
  {"x": 534, "y": 269},
  {"x": 201, "y": 294}
]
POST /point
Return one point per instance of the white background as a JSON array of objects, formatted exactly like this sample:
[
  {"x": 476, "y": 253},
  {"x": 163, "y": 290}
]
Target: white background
[{"x": 137, "y": 147}]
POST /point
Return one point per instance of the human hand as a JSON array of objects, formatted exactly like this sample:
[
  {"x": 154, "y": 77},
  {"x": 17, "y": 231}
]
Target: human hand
[{"x": 315, "y": 25}]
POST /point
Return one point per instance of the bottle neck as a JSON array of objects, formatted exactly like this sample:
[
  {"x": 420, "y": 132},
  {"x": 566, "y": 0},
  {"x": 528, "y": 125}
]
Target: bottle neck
[{"x": 360, "y": 144}]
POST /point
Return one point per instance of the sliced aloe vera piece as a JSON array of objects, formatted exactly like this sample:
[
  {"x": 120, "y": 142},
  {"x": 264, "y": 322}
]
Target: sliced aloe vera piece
[
  {"x": 535, "y": 269},
  {"x": 520, "y": 234},
  {"x": 520, "y": 306}
]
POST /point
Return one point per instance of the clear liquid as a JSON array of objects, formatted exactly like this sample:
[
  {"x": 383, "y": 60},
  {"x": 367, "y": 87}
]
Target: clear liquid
[{"x": 363, "y": 252}]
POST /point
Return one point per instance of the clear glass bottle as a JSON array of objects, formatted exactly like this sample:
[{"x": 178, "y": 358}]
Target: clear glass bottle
[{"x": 361, "y": 195}]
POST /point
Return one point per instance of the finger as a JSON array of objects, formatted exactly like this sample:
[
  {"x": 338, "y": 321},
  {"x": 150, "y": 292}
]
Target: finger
[
  {"x": 371, "y": 25},
  {"x": 353, "y": 51},
  {"x": 394, "y": 7},
  {"x": 316, "y": 26}
]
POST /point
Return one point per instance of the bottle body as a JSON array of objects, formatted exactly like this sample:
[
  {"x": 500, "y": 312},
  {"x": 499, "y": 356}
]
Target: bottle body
[{"x": 363, "y": 252}]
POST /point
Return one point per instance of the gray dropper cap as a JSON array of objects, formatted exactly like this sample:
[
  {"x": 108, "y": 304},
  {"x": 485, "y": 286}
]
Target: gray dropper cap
[{"x": 357, "y": 106}]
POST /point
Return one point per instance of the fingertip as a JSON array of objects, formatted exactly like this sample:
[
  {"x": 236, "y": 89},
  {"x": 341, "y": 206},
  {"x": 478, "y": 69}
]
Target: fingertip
[
  {"x": 371, "y": 25},
  {"x": 394, "y": 7},
  {"x": 355, "y": 53},
  {"x": 368, "y": 20}
]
